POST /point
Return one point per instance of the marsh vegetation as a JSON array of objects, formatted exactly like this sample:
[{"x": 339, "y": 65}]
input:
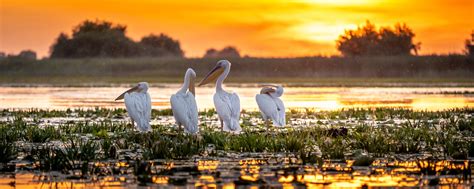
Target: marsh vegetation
[{"x": 86, "y": 144}]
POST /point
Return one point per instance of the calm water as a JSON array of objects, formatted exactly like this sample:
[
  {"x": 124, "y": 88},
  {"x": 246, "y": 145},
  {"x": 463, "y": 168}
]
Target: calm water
[
  {"x": 265, "y": 171},
  {"x": 320, "y": 98}
]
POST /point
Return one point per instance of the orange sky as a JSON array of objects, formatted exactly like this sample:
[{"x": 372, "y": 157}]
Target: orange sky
[{"x": 271, "y": 28}]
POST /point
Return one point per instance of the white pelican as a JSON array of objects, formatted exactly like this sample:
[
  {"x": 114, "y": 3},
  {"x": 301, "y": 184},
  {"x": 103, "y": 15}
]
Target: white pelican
[
  {"x": 270, "y": 104},
  {"x": 184, "y": 106},
  {"x": 227, "y": 104},
  {"x": 138, "y": 104}
]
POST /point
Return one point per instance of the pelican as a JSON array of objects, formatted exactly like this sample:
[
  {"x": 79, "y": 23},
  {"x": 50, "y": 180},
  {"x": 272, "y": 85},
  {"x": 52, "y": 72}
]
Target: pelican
[
  {"x": 227, "y": 103},
  {"x": 138, "y": 104},
  {"x": 184, "y": 106},
  {"x": 270, "y": 104}
]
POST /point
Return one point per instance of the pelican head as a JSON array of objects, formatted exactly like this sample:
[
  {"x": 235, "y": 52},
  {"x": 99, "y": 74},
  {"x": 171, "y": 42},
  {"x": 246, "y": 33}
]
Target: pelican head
[
  {"x": 190, "y": 76},
  {"x": 141, "y": 87},
  {"x": 272, "y": 89},
  {"x": 212, "y": 76}
]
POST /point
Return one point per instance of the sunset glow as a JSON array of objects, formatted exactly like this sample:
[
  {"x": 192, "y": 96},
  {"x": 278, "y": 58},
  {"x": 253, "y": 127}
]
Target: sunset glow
[{"x": 257, "y": 28}]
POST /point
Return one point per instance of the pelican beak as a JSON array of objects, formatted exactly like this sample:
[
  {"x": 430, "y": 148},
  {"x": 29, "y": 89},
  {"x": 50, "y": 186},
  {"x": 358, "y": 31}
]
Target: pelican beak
[
  {"x": 191, "y": 86},
  {"x": 128, "y": 91},
  {"x": 212, "y": 75}
]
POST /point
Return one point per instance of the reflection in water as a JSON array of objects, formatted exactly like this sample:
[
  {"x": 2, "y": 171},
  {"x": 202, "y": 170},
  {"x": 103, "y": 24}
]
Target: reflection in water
[
  {"x": 254, "y": 172},
  {"x": 319, "y": 98}
]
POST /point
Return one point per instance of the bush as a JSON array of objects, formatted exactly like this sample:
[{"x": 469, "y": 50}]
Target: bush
[
  {"x": 367, "y": 41},
  {"x": 105, "y": 39},
  {"x": 162, "y": 45},
  {"x": 227, "y": 52},
  {"x": 470, "y": 45}
]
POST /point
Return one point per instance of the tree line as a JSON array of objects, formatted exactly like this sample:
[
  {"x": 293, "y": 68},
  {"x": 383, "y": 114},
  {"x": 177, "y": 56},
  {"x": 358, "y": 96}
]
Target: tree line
[
  {"x": 105, "y": 39},
  {"x": 368, "y": 41}
]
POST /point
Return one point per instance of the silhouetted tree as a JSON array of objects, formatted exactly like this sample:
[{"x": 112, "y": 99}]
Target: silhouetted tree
[
  {"x": 227, "y": 52},
  {"x": 27, "y": 54},
  {"x": 95, "y": 39},
  {"x": 162, "y": 45},
  {"x": 61, "y": 48},
  {"x": 104, "y": 39},
  {"x": 210, "y": 53},
  {"x": 470, "y": 45},
  {"x": 367, "y": 41}
]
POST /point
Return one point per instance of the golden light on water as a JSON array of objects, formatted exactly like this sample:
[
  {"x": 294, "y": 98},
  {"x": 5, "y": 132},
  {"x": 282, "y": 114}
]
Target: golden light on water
[
  {"x": 207, "y": 165},
  {"x": 206, "y": 181},
  {"x": 160, "y": 179},
  {"x": 407, "y": 174},
  {"x": 284, "y": 179},
  {"x": 316, "y": 98}
]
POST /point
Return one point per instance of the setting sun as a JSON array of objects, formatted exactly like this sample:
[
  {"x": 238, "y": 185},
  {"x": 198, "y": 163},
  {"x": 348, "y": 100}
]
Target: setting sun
[{"x": 342, "y": 2}]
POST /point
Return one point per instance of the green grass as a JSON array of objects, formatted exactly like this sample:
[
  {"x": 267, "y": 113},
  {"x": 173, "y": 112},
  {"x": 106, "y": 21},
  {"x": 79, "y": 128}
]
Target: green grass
[
  {"x": 105, "y": 145},
  {"x": 427, "y": 132}
]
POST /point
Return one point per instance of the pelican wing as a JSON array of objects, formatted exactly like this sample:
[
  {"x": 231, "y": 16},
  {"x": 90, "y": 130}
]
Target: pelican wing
[
  {"x": 235, "y": 106},
  {"x": 228, "y": 107},
  {"x": 139, "y": 109},
  {"x": 281, "y": 121},
  {"x": 271, "y": 108},
  {"x": 267, "y": 106},
  {"x": 185, "y": 111}
]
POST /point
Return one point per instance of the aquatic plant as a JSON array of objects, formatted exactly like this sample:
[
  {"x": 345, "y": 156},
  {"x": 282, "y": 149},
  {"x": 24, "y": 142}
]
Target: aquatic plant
[
  {"x": 379, "y": 132},
  {"x": 7, "y": 151},
  {"x": 40, "y": 135}
]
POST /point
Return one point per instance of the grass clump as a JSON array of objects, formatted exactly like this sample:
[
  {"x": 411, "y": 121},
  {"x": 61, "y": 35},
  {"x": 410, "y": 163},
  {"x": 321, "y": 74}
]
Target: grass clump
[{"x": 446, "y": 134}]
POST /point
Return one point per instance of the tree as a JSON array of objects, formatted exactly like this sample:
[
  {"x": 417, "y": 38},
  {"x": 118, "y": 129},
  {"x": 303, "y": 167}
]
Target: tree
[
  {"x": 61, "y": 48},
  {"x": 94, "y": 39},
  {"x": 162, "y": 45},
  {"x": 227, "y": 52},
  {"x": 27, "y": 54},
  {"x": 470, "y": 45},
  {"x": 210, "y": 53},
  {"x": 367, "y": 41},
  {"x": 104, "y": 39}
]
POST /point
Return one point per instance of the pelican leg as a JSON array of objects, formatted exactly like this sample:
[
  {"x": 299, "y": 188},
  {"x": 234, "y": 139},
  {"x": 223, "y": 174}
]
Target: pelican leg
[
  {"x": 267, "y": 124},
  {"x": 131, "y": 119},
  {"x": 179, "y": 126},
  {"x": 222, "y": 124}
]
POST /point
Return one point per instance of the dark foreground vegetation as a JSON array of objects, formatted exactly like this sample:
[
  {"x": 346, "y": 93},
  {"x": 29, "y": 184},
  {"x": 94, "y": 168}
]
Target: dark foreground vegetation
[
  {"x": 381, "y": 147},
  {"x": 329, "y": 135}
]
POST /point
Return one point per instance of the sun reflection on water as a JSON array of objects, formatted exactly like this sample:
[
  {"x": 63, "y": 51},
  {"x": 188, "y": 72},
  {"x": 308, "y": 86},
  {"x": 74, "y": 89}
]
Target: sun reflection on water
[
  {"x": 319, "y": 98},
  {"x": 332, "y": 174}
]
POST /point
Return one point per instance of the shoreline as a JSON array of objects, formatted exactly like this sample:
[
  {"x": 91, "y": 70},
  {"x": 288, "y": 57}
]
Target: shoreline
[{"x": 107, "y": 81}]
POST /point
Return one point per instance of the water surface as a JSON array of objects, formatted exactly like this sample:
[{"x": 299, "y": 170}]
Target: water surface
[{"x": 319, "y": 98}]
